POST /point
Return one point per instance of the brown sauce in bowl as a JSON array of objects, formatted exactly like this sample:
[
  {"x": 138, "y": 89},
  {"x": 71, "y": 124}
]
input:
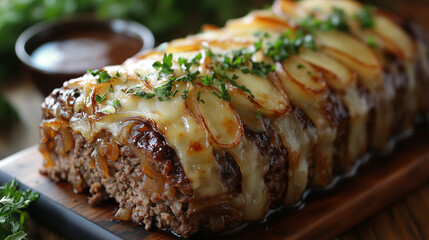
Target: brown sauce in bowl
[{"x": 75, "y": 52}]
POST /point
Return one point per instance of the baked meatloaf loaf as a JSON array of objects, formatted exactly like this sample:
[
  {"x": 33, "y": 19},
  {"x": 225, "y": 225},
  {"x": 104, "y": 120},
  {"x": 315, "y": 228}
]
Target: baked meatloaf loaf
[{"x": 211, "y": 131}]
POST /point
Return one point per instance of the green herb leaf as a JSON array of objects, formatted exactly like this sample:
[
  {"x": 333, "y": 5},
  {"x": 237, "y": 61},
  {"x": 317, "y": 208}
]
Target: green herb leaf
[
  {"x": 99, "y": 98},
  {"x": 165, "y": 66},
  {"x": 17, "y": 236},
  {"x": 144, "y": 95},
  {"x": 337, "y": 20},
  {"x": 365, "y": 17},
  {"x": 164, "y": 92},
  {"x": 199, "y": 98},
  {"x": 12, "y": 215},
  {"x": 116, "y": 104},
  {"x": 103, "y": 77},
  {"x": 258, "y": 114},
  {"x": 207, "y": 80},
  {"x": 94, "y": 72},
  {"x": 372, "y": 43},
  {"x": 224, "y": 94},
  {"x": 185, "y": 94},
  {"x": 111, "y": 88}
]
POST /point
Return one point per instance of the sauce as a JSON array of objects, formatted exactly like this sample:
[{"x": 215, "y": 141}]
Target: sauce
[{"x": 76, "y": 52}]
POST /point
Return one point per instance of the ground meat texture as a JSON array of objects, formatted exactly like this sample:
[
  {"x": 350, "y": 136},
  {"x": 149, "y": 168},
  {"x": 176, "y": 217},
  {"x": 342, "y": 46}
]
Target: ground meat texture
[
  {"x": 61, "y": 100},
  {"x": 270, "y": 145},
  {"x": 152, "y": 203},
  {"x": 228, "y": 171},
  {"x": 166, "y": 161}
]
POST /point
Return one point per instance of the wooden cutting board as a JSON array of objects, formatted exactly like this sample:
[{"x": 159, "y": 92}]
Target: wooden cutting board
[{"x": 326, "y": 214}]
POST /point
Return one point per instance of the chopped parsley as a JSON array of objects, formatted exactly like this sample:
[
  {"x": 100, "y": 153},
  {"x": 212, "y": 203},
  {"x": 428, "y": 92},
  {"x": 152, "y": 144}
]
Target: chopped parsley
[
  {"x": 102, "y": 76},
  {"x": 94, "y": 72},
  {"x": 116, "y": 104},
  {"x": 231, "y": 80},
  {"x": 185, "y": 94},
  {"x": 207, "y": 80},
  {"x": 199, "y": 98},
  {"x": 165, "y": 66},
  {"x": 289, "y": 44},
  {"x": 111, "y": 88},
  {"x": 372, "y": 43},
  {"x": 337, "y": 20},
  {"x": 224, "y": 94},
  {"x": 365, "y": 17},
  {"x": 99, "y": 98},
  {"x": 261, "y": 34},
  {"x": 144, "y": 95},
  {"x": 164, "y": 92},
  {"x": 300, "y": 66},
  {"x": 258, "y": 114}
]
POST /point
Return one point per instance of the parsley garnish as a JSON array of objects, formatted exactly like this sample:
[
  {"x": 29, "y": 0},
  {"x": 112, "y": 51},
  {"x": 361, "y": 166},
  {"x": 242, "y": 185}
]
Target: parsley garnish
[
  {"x": 258, "y": 114},
  {"x": 99, "y": 98},
  {"x": 372, "y": 43},
  {"x": 261, "y": 34},
  {"x": 207, "y": 80},
  {"x": 94, "y": 72},
  {"x": 288, "y": 44},
  {"x": 111, "y": 88},
  {"x": 336, "y": 21},
  {"x": 144, "y": 95},
  {"x": 12, "y": 215},
  {"x": 165, "y": 66},
  {"x": 116, "y": 104},
  {"x": 199, "y": 98},
  {"x": 232, "y": 81},
  {"x": 164, "y": 92},
  {"x": 224, "y": 94},
  {"x": 185, "y": 94},
  {"x": 365, "y": 17},
  {"x": 103, "y": 77}
]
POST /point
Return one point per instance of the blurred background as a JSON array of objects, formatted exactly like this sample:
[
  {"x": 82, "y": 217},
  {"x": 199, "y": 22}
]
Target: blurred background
[{"x": 167, "y": 19}]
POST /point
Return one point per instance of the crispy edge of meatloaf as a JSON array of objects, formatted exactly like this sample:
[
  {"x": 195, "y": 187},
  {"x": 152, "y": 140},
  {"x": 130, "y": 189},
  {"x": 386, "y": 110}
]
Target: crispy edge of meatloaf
[{"x": 146, "y": 200}]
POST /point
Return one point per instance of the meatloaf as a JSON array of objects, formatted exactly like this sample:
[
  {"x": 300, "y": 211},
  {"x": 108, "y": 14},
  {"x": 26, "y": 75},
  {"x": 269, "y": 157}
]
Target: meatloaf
[{"x": 211, "y": 131}]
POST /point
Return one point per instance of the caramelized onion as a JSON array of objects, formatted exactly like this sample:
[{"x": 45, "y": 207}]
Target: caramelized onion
[
  {"x": 68, "y": 141},
  {"x": 123, "y": 214}
]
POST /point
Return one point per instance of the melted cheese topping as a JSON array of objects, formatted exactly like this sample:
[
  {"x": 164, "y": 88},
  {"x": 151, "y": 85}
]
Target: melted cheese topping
[{"x": 254, "y": 197}]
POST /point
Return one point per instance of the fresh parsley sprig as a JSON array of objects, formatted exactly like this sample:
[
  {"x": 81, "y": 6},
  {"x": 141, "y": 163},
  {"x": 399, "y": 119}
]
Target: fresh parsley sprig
[
  {"x": 101, "y": 75},
  {"x": 365, "y": 17},
  {"x": 12, "y": 215},
  {"x": 165, "y": 67},
  {"x": 289, "y": 44}
]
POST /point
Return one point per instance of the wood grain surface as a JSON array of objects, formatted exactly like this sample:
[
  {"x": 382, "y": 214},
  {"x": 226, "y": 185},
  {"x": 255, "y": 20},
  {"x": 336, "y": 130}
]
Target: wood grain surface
[{"x": 328, "y": 213}]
